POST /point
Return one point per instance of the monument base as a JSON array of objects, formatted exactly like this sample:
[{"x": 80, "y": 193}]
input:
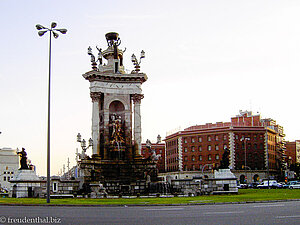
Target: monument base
[
  {"x": 126, "y": 177},
  {"x": 25, "y": 184}
]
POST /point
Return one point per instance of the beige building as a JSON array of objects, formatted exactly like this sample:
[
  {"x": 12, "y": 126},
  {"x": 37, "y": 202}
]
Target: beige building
[{"x": 9, "y": 165}]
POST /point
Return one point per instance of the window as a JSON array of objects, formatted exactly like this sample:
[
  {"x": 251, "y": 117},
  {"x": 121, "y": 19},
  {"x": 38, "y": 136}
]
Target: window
[
  {"x": 200, "y": 148},
  {"x": 217, "y": 157},
  {"x": 8, "y": 178},
  {"x": 200, "y": 139},
  {"x": 200, "y": 167},
  {"x": 208, "y": 138},
  {"x": 216, "y": 137},
  {"x": 225, "y": 146},
  {"x": 184, "y": 140},
  {"x": 193, "y": 158},
  {"x": 193, "y": 140},
  {"x": 4, "y": 178},
  {"x": 185, "y": 158},
  {"x": 225, "y": 137},
  {"x": 185, "y": 149},
  {"x": 4, "y": 172},
  {"x": 193, "y": 148},
  {"x": 200, "y": 157},
  {"x": 236, "y": 137},
  {"x": 209, "y": 147},
  {"x": 209, "y": 157},
  {"x": 217, "y": 147},
  {"x": 193, "y": 167}
]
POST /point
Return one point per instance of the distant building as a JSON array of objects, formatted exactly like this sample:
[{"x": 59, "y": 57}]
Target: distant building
[
  {"x": 255, "y": 144},
  {"x": 293, "y": 152},
  {"x": 9, "y": 165}
]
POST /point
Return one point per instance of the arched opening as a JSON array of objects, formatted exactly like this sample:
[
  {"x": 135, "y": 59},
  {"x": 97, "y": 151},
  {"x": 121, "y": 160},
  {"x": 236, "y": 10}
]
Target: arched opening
[
  {"x": 256, "y": 178},
  {"x": 117, "y": 130},
  {"x": 116, "y": 106}
]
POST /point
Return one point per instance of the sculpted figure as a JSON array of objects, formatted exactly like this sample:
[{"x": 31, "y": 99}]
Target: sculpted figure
[{"x": 23, "y": 159}]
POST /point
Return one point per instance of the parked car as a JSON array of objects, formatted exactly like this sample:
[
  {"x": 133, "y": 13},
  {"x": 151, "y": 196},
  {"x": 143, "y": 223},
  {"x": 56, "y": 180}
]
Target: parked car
[
  {"x": 253, "y": 185},
  {"x": 242, "y": 186},
  {"x": 288, "y": 184},
  {"x": 295, "y": 185},
  {"x": 272, "y": 184}
]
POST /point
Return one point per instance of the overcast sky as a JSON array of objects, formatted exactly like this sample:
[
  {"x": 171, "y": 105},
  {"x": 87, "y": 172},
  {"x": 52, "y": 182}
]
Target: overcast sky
[{"x": 205, "y": 61}]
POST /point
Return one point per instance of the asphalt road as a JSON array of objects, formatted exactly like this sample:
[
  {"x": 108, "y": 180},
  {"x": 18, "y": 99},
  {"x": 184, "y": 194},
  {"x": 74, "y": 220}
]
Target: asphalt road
[{"x": 251, "y": 213}]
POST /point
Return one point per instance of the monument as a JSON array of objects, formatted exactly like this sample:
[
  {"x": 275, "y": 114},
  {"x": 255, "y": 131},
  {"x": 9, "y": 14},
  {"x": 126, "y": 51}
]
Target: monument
[
  {"x": 116, "y": 162},
  {"x": 26, "y": 183}
]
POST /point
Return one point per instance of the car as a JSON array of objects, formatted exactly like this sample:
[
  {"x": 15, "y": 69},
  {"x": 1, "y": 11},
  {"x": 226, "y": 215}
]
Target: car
[
  {"x": 253, "y": 185},
  {"x": 295, "y": 185},
  {"x": 242, "y": 186},
  {"x": 288, "y": 184},
  {"x": 272, "y": 184}
]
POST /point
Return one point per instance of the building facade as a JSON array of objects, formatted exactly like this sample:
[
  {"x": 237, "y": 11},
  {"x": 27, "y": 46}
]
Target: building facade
[
  {"x": 9, "y": 165},
  {"x": 254, "y": 145},
  {"x": 292, "y": 152}
]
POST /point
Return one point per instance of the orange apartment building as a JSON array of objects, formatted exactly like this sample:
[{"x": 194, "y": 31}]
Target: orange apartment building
[{"x": 255, "y": 144}]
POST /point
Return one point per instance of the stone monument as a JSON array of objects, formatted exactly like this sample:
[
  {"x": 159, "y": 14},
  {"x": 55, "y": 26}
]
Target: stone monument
[
  {"x": 26, "y": 183},
  {"x": 116, "y": 160}
]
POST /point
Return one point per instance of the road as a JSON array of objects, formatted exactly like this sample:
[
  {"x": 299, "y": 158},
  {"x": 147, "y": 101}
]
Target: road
[{"x": 251, "y": 213}]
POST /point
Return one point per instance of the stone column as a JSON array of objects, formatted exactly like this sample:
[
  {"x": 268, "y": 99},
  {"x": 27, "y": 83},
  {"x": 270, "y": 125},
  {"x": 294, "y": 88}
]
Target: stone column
[
  {"x": 137, "y": 121},
  {"x": 96, "y": 96}
]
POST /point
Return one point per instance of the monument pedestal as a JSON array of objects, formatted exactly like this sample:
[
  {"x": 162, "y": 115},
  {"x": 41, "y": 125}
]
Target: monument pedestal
[
  {"x": 25, "y": 184},
  {"x": 119, "y": 176},
  {"x": 225, "y": 180}
]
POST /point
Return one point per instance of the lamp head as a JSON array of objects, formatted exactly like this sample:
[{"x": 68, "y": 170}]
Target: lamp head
[
  {"x": 78, "y": 137},
  {"x": 83, "y": 143},
  {"x": 133, "y": 58},
  {"x": 142, "y": 54},
  {"x": 42, "y": 32},
  {"x": 40, "y": 27},
  {"x": 55, "y": 35},
  {"x": 90, "y": 51},
  {"x": 53, "y": 25},
  {"x": 63, "y": 31}
]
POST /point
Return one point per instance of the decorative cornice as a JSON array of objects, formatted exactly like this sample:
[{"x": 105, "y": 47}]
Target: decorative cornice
[
  {"x": 137, "y": 98},
  {"x": 96, "y": 96},
  {"x": 102, "y": 76}
]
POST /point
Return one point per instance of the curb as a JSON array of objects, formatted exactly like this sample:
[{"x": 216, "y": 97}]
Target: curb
[{"x": 145, "y": 205}]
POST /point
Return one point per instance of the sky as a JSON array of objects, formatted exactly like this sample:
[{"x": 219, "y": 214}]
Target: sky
[{"x": 205, "y": 61}]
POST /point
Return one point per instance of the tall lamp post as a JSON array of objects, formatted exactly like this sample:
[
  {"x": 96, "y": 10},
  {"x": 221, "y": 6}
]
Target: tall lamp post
[
  {"x": 52, "y": 31},
  {"x": 245, "y": 140}
]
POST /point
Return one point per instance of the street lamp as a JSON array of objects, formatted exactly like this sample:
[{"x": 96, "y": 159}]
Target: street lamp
[
  {"x": 52, "y": 31},
  {"x": 245, "y": 140}
]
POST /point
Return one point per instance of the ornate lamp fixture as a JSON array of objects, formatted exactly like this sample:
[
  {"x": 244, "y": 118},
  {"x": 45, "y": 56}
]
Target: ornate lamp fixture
[{"x": 137, "y": 63}]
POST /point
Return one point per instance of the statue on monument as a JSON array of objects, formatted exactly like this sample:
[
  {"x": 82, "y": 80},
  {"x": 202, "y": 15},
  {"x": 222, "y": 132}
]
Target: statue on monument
[
  {"x": 23, "y": 160},
  {"x": 225, "y": 159},
  {"x": 116, "y": 130}
]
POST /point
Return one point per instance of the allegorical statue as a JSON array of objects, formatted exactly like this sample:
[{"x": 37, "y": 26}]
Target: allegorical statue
[
  {"x": 23, "y": 159},
  {"x": 225, "y": 159},
  {"x": 116, "y": 130}
]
